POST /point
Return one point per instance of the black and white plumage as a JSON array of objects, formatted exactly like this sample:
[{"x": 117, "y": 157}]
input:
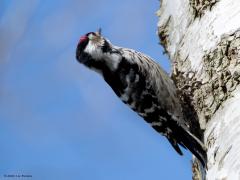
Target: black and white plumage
[{"x": 143, "y": 85}]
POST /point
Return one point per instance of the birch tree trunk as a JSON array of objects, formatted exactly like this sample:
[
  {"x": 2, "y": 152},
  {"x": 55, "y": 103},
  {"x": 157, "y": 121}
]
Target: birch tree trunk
[{"x": 202, "y": 39}]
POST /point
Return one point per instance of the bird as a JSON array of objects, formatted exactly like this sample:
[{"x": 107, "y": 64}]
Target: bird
[{"x": 144, "y": 86}]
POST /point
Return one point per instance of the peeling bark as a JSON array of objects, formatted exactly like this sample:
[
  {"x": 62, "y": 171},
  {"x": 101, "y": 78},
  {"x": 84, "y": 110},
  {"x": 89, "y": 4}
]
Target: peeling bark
[{"x": 205, "y": 56}]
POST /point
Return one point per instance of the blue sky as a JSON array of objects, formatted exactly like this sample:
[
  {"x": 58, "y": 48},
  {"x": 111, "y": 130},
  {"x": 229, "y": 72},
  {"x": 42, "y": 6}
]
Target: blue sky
[{"x": 58, "y": 120}]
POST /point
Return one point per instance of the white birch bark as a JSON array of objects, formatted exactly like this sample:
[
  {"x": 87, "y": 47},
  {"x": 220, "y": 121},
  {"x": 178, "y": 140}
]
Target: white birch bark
[{"x": 202, "y": 39}]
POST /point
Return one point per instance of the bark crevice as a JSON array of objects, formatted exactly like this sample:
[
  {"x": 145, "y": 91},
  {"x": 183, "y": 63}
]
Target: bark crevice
[
  {"x": 199, "y": 7},
  {"x": 163, "y": 34},
  {"x": 221, "y": 70}
]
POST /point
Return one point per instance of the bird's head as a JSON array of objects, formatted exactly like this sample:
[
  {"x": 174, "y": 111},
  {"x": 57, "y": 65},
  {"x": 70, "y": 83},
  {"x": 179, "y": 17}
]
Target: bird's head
[
  {"x": 96, "y": 52},
  {"x": 90, "y": 44}
]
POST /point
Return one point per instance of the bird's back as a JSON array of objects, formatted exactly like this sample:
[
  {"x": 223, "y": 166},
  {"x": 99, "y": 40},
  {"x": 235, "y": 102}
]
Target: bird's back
[{"x": 153, "y": 81}]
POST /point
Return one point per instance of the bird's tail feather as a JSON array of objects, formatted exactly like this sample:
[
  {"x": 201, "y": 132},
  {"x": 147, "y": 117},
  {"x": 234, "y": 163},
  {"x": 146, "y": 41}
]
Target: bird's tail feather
[
  {"x": 187, "y": 140},
  {"x": 175, "y": 146}
]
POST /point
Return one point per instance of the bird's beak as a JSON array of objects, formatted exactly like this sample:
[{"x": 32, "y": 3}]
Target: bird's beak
[{"x": 99, "y": 32}]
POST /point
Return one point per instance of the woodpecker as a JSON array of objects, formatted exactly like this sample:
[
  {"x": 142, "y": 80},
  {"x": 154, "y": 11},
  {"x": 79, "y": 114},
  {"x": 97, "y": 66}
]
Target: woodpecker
[{"x": 143, "y": 85}]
